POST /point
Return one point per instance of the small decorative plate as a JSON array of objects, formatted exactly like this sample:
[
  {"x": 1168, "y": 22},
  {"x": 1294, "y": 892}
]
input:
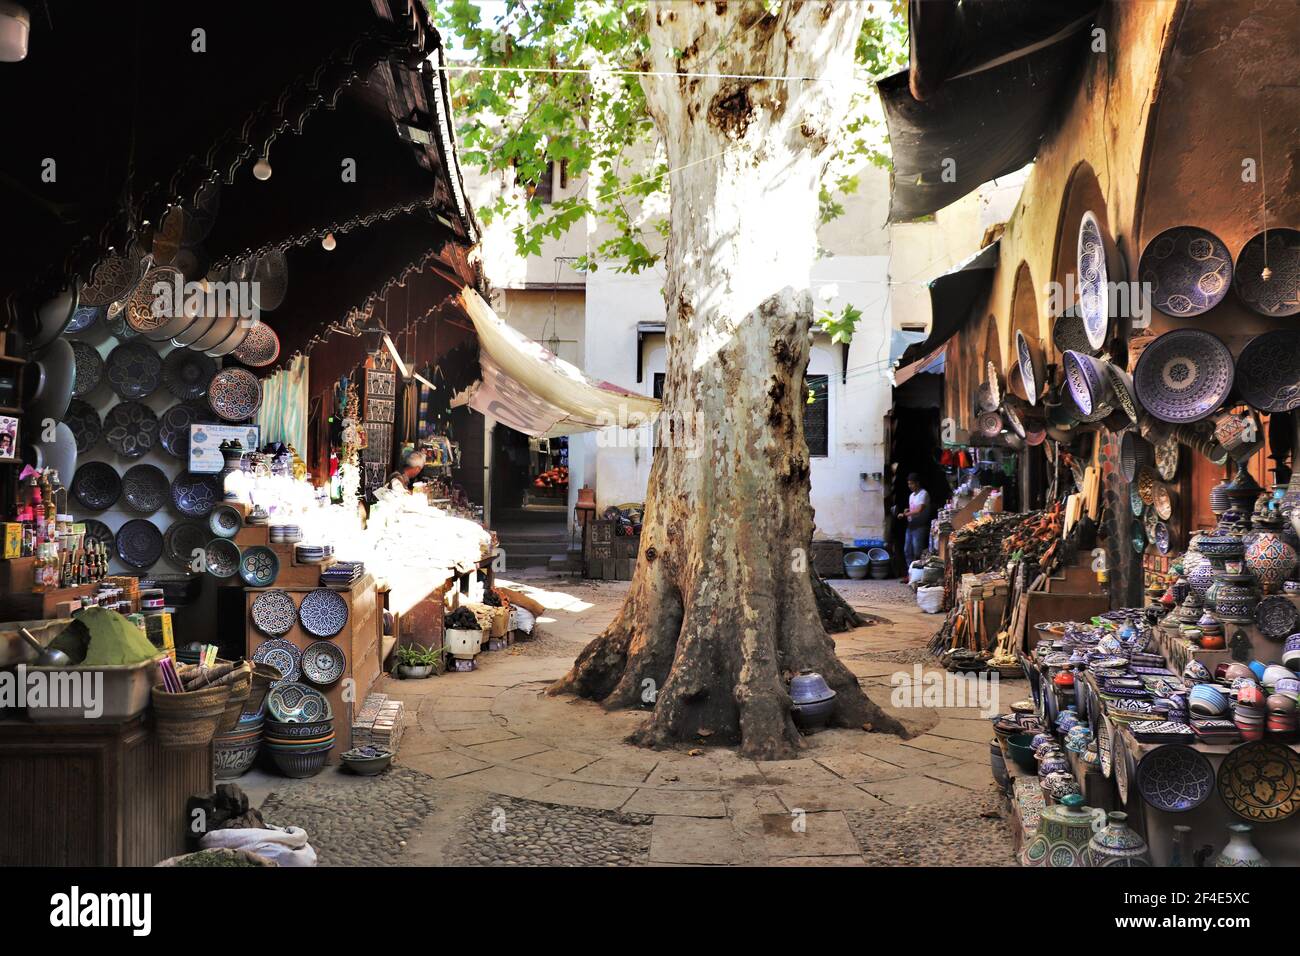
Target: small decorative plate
[
  {"x": 1094, "y": 300},
  {"x": 112, "y": 279},
  {"x": 97, "y": 485},
  {"x": 1030, "y": 367},
  {"x": 225, "y": 521},
  {"x": 1163, "y": 502},
  {"x": 1266, "y": 371},
  {"x": 174, "y": 427},
  {"x": 222, "y": 558},
  {"x": 1121, "y": 761},
  {"x": 235, "y": 394},
  {"x": 98, "y": 531},
  {"x": 1184, "y": 375},
  {"x": 258, "y": 567},
  {"x": 134, "y": 369},
  {"x": 1162, "y": 537},
  {"x": 1103, "y": 747},
  {"x": 294, "y": 703},
  {"x": 323, "y": 662},
  {"x": 1189, "y": 271},
  {"x": 1277, "y": 617},
  {"x": 1139, "y": 539},
  {"x": 1068, "y": 333},
  {"x": 131, "y": 429},
  {"x": 85, "y": 316},
  {"x": 84, "y": 423},
  {"x": 280, "y": 653},
  {"x": 323, "y": 613},
  {"x": 274, "y": 613},
  {"x": 187, "y": 373},
  {"x": 1175, "y": 778},
  {"x": 1260, "y": 781},
  {"x": 182, "y": 539},
  {"x": 90, "y": 368},
  {"x": 1166, "y": 455},
  {"x": 196, "y": 495},
  {"x": 1277, "y": 250},
  {"x": 260, "y": 347},
  {"x": 139, "y": 543},
  {"x": 1135, "y": 502},
  {"x": 145, "y": 488}
]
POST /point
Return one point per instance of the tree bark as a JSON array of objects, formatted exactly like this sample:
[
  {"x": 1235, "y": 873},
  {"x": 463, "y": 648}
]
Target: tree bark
[{"x": 721, "y": 611}]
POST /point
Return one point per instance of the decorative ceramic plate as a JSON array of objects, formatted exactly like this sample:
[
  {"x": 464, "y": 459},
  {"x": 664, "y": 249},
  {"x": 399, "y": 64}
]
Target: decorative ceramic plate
[
  {"x": 1094, "y": 300},
  {"x": 187, "y": 373},
  {"x": 1162, "y": 537},
  {"x": 1184, "y": 375},
  {"x": 323, "y": 612},
  {"x": 144, "y": 487},
  {"x": 196, "y": 495},
  {"x": 1260, "y": 781},
  {"x": 271, "y": 278},
  {"x": 1167, "y": 455},
  {"x": 1122, "y": 765},
  {"x": 1277, "y": 250},
  {"x": 147, "y": 310},
  {"x": 323, "y": 662},
  {"x": 84, "y": 423},
  {"x": 258, "y": 567},
  {"x": 182, "y": 539},
  {"x": 85, "y": 317},
  {"x": 1277, "y": 617},
  {"x": 90, "y": 368},
  {"x": 280, "y": 654},
  {"x": 1189, "y": 271},
  {"x": 1103, "y": 747},
  {"x": 1175, "y": 778},
  {"x": 131, "y": 429},
  {"x": 1121, "y": 386},
  {"x": 174, "y": 427},
  {"x": 221, "y": 557},
  {"x": 1163, "y": 502},
  {"x": 260, "y": 347},
  {"x": 294, "y": 703},
  {"x": 1135, "y": 502},
  {"x": 274, "y": 613},
  {"x": 96, "y": 485},
  {"x": 112, "y": 279},
  {"x": 1068, "y": 333},
  {"x": 225, "y": 521},
  {"x": 1267, "y": 371},
  {"x": 115, "y": 322},
  {"x": 98, "y": 531},
  {"x": 134, "y": 369},
  {"x": 235, "y": 394},
  {"x": 139, "y": 543}
]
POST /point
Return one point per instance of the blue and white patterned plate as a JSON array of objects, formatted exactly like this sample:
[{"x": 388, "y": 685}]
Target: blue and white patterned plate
[
  {"x": 1175, "y": 778},
  {"x": 294, "y": 703},
  {"x": 282, "y": 654},
  {"x": 323, "y": 613}
]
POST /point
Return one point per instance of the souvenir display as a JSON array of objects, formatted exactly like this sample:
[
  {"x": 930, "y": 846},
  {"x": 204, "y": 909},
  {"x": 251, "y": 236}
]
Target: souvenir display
[
  {"x": 139, "y": 543},
  {"x": 1184, "y": 375},
  {"x": 274, "y": 613},
  {"x": 323, "y": 613},
  {"x": 131, "y": 429},
  {"x": 89, "y": 369},
  {"x": 144, "y": 488},
  {"x": 258, "y": 566},
  {"x": 134, "y": 370},
  {"x": 1188, "y": 269},
  {"x": 280, "y": 653},
  {"x": 187, "y": 373},
  {"x": 323, "y": 662},
  {"x": 96, "y": 485},
  {"x": 235, "y": 394}
]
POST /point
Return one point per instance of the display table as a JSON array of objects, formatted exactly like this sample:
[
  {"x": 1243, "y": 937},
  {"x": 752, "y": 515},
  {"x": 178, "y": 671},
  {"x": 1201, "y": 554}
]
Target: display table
[
  {"x": 361, "y": 640},
  {"x": 92, "y": 794}
]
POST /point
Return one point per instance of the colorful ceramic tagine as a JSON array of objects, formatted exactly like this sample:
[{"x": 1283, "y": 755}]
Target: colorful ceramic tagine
[
  {"x": 1052, "y": 760},
  {"x": 1240, "y": 851},
  {"x": 1063, "y": 834},
  {"x": 1078, "y": 739},
  {"x": 1059, "y": 784},
  {"x": 1117, "y": 844}
]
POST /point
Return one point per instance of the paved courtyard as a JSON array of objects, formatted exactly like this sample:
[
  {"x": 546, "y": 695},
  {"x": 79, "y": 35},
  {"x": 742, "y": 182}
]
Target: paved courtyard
[{"x": 492, "y": 771}]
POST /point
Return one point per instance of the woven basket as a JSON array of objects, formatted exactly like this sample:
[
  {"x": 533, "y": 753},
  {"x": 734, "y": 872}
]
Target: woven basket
[
  {"x": 240, "y": 688},
  {"x": 189, "y": 719}
]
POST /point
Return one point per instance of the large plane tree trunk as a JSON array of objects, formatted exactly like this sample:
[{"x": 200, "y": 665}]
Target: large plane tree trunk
[{"x": 721, "y": 611}]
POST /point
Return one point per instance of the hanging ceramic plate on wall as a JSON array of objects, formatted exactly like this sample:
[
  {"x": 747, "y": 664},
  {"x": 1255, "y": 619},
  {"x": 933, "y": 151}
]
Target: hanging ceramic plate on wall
[
  {"x": 280, "y": 653},
  {"x": 174, "y": 426},
  {"x": 1274, "y": 253},
  {"x": 89, "y": 368},
  {"x": 1260, "y": 781},
  {"x": 131, "y": 429},
  {"x": 1189, "y": 271},
  {"x": 196, "y": 495},
  {"x": 134, "y": 369},
  {"x": 139, "y": 543},
  {"x": 144, "y": 487},
  {"x": 1068, "y": 333},
  {"x": 97, "y": 531},
  {"x": 86, "y": 317},
  {"x": 260, "y": 347},
  {"x": 187, "y": 373},
  {"x": 271, "y": 275},
  {"x": 96, "y": 485},
  {"x": 154, "y": 310},
  {"x": 235, "y": 394},
  {"x": 1175, "y": 778},
  {"x": 1268, "y": 371},
  {"x": 222, "y": 557},
  {"x": 259, "y": 566},
  {"x": 1184, "y": 375},
  {"x": 111, "y": 280},
  {"x": 323, "y": 662},
  {"x": 85, "y": 424},
  {"x": 1094, "y": 296},
  {"x": 323, "y": 612},
  {"x": 1031, "y": 367},
  {"x": 182, "y": 539},
  {"x": 274, "y": 613}
]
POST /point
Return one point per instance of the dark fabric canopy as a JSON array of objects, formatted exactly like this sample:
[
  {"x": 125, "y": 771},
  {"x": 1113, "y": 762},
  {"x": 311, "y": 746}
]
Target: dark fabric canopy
[
  {"x": 953, "y": 298},
  {"x": 992, "y": 73}
]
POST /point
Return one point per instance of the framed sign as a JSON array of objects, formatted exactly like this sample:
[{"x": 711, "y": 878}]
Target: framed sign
[{"x": 205, "y": 445}]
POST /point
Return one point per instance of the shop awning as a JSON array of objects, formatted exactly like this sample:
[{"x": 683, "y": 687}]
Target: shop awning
[
  {"x": 527, "y": 387},
  {"x": 953, "y": 298},
  {"x": 991, "y": 74},
  {"x": 932, "y": 364}
]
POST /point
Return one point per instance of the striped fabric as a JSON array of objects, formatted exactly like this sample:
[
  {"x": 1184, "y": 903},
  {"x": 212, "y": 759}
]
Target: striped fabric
[{"x": 283, "y": 415}]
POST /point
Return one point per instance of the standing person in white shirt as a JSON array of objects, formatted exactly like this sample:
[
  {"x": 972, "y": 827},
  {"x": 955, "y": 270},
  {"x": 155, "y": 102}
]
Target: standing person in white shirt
[{"x": 917, "y": 517}]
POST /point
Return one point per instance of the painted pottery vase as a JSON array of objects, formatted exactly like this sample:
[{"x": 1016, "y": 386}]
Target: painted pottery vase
[
  {"x": 1240, "y": 851},
  {"x": 1235, "y": 598},
  {"x": 1117, "y": 844},
  {"x": 1063, "y": 835},
  {"x": 1041, "y": 741},
  {"x": 1200, "y": 575},
  {"x": 1270, "y": 558}
]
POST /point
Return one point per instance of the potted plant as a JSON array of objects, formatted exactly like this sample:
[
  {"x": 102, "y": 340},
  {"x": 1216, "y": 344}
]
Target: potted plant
[{"x": 416, "y": 660}]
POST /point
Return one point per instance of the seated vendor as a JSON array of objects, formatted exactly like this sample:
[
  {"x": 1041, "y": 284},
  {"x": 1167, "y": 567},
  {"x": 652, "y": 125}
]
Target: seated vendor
[{"x": 412, "y": 465}]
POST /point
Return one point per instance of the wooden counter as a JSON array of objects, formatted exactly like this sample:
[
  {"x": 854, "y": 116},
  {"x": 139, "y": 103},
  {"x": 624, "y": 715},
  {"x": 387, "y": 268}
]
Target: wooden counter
[{"x": 91, "y": 794}]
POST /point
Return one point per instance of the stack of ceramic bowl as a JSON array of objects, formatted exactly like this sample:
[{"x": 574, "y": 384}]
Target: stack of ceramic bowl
[
  {"x": 1274, "y": 673},
  {"x": 299, "y": 749},
  {"x": 1206, "y": 700},
  {"x": 1282, "y": 718},
  {"x": 313, "y": 553},
  {"x": 233, "y": 753},
  {"x": 285, "y": 534},
  {"x": 1248, "y": 713}
]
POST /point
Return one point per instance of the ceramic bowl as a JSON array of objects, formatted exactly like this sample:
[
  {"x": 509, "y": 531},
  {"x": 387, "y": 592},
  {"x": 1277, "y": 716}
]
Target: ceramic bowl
[
  {"x": 1281, "y": 704},
  {"x": 1275, "y": 672},
  {"x": 1258, "y": 669},
  {"x": 1196, "y": 673},
  {"x": 300, "y": 764},
  {"x": 367, "y": 761}
]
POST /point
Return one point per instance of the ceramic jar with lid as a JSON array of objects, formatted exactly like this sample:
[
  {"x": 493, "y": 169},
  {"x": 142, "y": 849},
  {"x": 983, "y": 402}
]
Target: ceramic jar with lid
[
  {"x": 1235, "y": 598},
  {"x": 813, "y": 701},
  {"x": 1117, "y": 844},
  {"x": 1268, "y": 555},
  {"x": 1063, "y": 834}
]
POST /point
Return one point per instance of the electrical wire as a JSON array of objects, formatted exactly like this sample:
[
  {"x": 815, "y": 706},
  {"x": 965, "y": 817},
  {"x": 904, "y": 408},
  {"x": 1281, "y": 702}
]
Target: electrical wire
[{"x": 473, "y": 68}]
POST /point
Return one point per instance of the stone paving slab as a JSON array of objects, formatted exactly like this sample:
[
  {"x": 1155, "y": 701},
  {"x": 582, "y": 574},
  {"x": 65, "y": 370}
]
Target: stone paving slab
[
  {"x": 912, "y": 791},
  {"x": 506, "y": 780},
  {"x": 480, "y": 735},
  {"x": 971, "y": 776},
  {"x": 810, "y": 834},
  {"x": 508, "y": 749},
  {"x": 962, "y": 730},
  {"x": 443, "y": 764},
  {"x": 694, "y": 840},
  {"x": 859, "y": 768},
  {"x": 891, "y": 751},
  {"x": 805, "y": 772},
  {"x": 819, "y": 861},
  {"x": 836, "y": 797},
  {"x": 580, "y": 793},
  {"x": 950, "y": 747},
  {"x": 690, "y": 803},
  {"x": 616, "y": 770},
  {"x": 557, "y": 761}
]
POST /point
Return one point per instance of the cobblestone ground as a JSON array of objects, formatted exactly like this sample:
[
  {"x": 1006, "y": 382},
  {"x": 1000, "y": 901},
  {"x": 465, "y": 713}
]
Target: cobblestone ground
[
  {"x": 507, "y": 831},
  {"x": 967, "y": 832},
  {"x": 352, "y": 820}
]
